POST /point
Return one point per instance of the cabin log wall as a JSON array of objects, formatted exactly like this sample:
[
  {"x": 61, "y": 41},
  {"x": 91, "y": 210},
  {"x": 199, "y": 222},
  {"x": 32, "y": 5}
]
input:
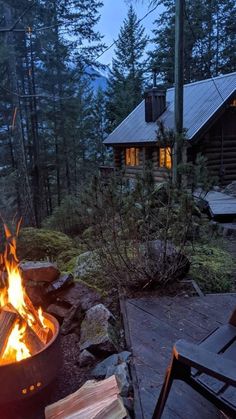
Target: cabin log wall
[
  {"x": 148, "y": 154},
  {"x": 219, "y": 147}
]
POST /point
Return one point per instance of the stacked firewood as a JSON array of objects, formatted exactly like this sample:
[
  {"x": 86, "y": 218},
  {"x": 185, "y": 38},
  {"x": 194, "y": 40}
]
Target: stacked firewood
[{"x": 94, "y": 400}]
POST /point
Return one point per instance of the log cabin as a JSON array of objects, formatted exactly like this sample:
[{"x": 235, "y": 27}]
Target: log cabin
[{"x": 209, "y": 123}]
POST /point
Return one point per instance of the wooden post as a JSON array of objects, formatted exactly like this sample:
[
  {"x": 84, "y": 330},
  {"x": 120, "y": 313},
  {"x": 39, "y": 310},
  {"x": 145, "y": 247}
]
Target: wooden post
[{"x": 179, "y": 81}]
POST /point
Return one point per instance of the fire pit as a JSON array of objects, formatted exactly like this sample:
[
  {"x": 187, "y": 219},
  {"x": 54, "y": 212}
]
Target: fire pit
[
  {"x": 27, "y": 377},
  {"x": 30, "y": 354}
]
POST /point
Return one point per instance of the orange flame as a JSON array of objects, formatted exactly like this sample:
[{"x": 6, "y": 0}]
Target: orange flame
[{"x": 15, "y": 293}]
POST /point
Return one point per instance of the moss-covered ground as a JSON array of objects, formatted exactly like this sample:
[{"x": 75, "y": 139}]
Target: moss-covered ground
[{"x": 212, "y": 266}]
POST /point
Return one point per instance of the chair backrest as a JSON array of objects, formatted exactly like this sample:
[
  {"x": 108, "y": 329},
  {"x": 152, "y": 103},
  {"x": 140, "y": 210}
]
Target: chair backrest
[{"x": 232, "y": 319}]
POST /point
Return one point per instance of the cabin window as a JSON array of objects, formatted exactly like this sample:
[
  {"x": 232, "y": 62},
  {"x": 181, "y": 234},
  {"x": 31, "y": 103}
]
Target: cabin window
[
  {"x": 165, "y": 159},
  {"x": 233, "y": 103},
  {"x": 132, "y": 156}
]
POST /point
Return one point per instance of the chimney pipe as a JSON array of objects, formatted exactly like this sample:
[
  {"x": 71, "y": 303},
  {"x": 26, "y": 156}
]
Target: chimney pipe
[{"x": 155, "y": 100}]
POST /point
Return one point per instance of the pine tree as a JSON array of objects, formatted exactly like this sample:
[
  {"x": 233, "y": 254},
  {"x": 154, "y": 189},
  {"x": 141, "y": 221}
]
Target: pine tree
[
  {"x": 209, "y": 36},
  {"x": 126, "y": 78},
  {"x": 97, "y": 149},
  {"x": 49, "y": 64}
]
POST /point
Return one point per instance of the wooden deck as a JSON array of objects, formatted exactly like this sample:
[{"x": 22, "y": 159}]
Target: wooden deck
[
  {"x": 152, "y": 325},
  {"x": 221, "y": 205}
]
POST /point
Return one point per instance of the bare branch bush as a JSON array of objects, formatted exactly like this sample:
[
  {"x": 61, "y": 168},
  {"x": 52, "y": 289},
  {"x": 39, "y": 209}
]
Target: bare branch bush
[{"x": 139, "y": 234}]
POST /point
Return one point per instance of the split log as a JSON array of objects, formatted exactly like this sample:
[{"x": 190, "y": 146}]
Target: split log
[
  {"x": 32, "y": 341},
  {"x": 41, "y": 331},
  {"x": 30, "y": 338},
  {"x": 7, "y": 322},
  {"x": 98, "y": 400}
]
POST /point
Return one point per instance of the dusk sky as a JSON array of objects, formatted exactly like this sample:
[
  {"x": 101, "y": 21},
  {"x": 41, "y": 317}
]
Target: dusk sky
[{"x": 112, "y": 15}]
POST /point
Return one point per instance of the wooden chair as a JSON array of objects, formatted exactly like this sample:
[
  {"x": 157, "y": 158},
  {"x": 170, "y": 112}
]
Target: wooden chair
[{"x": 209, "y": 368}]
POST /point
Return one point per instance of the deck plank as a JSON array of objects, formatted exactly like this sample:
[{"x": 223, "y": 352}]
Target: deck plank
[
  {"x": 220, "y": 204},
  {"x": 154, "y": 324}
]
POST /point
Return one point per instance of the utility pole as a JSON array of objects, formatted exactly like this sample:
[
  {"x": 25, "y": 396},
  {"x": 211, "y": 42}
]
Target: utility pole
[{"x": 179, "y": 81}]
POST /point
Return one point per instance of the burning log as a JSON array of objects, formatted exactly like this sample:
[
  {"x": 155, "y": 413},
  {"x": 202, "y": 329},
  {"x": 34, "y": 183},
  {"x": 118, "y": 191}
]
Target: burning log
[
  {"x": 37, "y": 326},
  {"x": 23, "y": 331},
  {"x": 93, "y": 400},
  {"x": 7, "y": 322},
  {"x": 32, "y": 341},
  {"x": 30, "y": 338}
]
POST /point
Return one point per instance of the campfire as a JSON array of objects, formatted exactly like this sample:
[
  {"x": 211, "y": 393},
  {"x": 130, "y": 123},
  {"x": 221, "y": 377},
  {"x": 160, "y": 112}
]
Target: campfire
[{"x": 25, "y": 332}]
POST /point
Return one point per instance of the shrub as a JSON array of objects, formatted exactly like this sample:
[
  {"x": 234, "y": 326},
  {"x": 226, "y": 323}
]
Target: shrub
[
  {"x": 124, "y": 221},
  {"x": 37, "y": 244},
  {"x": 67, "y": 217}
]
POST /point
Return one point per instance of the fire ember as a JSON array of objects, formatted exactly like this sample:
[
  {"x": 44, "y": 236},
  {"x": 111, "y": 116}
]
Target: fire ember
[{"x": 25, "y": 331}]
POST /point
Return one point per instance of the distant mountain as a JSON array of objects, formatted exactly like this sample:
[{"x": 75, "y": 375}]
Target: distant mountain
[{"x": 98, "y": 80}]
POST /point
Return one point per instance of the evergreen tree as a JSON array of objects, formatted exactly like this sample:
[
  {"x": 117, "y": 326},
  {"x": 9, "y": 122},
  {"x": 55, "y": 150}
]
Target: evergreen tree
[
  {"x": 46, "y": 96},
  {"x": 209, "y": 39},
  {"x": 126, "y": 78},
  {"x": 97, "y": 149}
]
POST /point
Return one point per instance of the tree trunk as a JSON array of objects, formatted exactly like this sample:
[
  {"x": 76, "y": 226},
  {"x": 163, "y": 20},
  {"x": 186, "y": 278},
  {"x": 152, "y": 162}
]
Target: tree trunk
[{"x": 23, "y": 183}]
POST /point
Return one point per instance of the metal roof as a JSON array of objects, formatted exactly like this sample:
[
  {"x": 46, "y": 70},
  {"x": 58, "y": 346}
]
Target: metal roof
[{"x": 202, "y": 100}]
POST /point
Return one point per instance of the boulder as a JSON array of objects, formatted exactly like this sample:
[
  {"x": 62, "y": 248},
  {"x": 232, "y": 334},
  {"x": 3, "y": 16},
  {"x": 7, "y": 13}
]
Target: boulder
[
  {"x": 40, "y": 243},
  {"x": 98, "y": 334},
  {"x": 80, "y": 292},
  {"x": 87, "y": 264},
  {"x": 61, "y": 283},
  {"x": 72, "y": 320},
  {"x": 37, "y": 292},
  {"x": 39, "y": 271},
  {"x": 86, "y": 358},
  {"x": 59, "y": 311},
  {"x": 112, "y": 361},
  {"x": 121, "y": 372}
]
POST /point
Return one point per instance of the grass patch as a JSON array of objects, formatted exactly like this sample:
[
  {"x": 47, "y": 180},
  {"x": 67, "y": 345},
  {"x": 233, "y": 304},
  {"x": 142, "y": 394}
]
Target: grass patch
[{"x": 212, "y": 268}]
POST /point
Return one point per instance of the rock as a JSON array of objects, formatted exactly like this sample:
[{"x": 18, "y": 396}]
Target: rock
[
  {"x": 128, "y": 403},
  {"x": 124, "y": 356},
  {"x": 231, "y": 188},
  {"x": 58, "y": 311},
  {"x": 80, "y": 292},
  {"x": 72, "y": 320},
  {"x": 37, "y": 292},
  {"x": 39, "y": 271},
  {"x": 86, "y": 358},
  {"x": 98, "y": 334},
  {"x": 61, "y": 283},
  {"x": 87, "y": 264},
  {"x": 121, "y": 372},
  {"x": 100, "y": 370},
  {"x": 110, "y": 371}
]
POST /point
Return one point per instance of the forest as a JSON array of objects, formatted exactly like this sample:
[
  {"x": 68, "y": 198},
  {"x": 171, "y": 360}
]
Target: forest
[{"x": 53, "y": 119}]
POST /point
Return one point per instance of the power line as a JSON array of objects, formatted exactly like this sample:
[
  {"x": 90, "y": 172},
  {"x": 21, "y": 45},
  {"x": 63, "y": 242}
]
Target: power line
[
  {"x": 49, "y": 27},
  {"x": 139, "y": 21},
  {"x": 13, "y": 27},
  {"x": 205, "y": 62}
]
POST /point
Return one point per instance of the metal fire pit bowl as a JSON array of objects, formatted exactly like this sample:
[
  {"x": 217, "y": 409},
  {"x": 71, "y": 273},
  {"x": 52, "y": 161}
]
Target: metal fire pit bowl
[{"x": 21, "y": 380}]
